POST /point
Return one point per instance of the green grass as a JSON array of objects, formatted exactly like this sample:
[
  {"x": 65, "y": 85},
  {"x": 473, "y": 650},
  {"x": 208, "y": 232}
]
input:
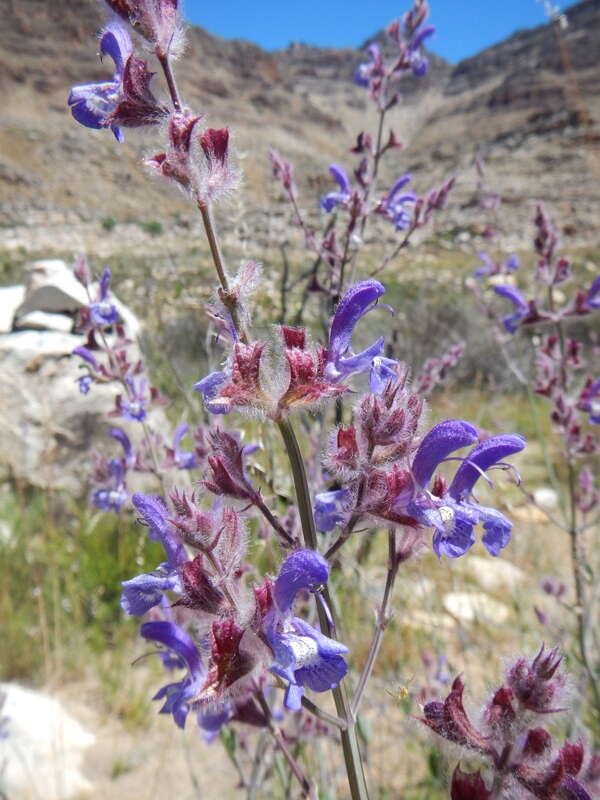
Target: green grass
[{"x": 61, "y": 565}]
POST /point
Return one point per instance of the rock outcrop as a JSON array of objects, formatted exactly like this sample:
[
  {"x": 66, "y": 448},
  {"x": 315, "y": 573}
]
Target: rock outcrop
[
  {"x": 42, "y": 747},
  {"x": 47, "y": 428}
]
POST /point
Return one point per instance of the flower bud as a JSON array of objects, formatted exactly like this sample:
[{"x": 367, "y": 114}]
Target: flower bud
[
  {"x": 468, "y": 786},
  {"x": 155, "y": 20}
]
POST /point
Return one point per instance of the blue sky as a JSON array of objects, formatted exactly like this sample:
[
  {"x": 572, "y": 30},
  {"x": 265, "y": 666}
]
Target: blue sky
[{"x": 463, "y": 26}]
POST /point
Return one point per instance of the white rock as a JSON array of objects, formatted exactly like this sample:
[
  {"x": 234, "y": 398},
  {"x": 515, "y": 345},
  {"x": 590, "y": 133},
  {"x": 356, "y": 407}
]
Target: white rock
[
  {"x": 47, "y": 428},
  {"x": 51, "y": 286},
  {"x": 25, "y": 346},
  {"x": 474, "y": 607},
  {"x": 545, "y": 497},
  {"x": 492, "y": 574},
  {"x": 45, "y": 321},
  {"x": 421, "y": 620},
  {"x": 11, "y": 298},
  {"x": 43, "y": 753}
]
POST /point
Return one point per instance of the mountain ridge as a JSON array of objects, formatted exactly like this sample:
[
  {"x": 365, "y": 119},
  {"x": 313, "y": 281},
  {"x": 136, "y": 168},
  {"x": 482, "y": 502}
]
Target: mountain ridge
[{"x": 530, "y": 105}]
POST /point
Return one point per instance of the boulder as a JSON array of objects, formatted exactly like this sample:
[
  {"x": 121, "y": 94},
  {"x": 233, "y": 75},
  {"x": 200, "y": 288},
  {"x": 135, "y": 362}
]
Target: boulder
[
  {"x": 47, "y": 427},
  {"x": 11, "y": 298},
  {"x": 43, "y": 749},
  {"x": 546, "y": 497},
  {"x": 50, "y": 285},
  {"x": 492, "y": 574},
  {"x": 474, "y": 607},
  {"x": 44, "y": 321}
]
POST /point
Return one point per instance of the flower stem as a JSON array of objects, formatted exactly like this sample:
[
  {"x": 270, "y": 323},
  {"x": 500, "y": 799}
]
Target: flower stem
[
  {"x": 324, "y": 715},
  {"x": 582, "y": 609},
  {"x": 352, "y": 757},
  {"x": 213, "y": 243},
  {"x": 382, "y": 621},
  {"x": 308, "y": 790},
  {"x": 165, "y": 63},
  {"x": 287, "y": 539},
  {"x": 217, "y": 257}
]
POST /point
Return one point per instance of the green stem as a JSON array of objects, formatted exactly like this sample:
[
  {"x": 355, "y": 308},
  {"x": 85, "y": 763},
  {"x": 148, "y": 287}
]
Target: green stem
[
  {"x": 308, "y": 789},
  {"x": 217, "y": 257},
  {"x": 352, "y": 757},
  {"x": 382, "y": 621}
]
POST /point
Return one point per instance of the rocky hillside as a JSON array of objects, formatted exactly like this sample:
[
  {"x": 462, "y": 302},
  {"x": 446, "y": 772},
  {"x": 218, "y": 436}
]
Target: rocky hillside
[{"x": 531, "y": 105}]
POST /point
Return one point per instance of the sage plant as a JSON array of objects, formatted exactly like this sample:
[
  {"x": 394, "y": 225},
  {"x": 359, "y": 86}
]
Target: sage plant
[
  {"x": 511, "y": 737},
  {"x": 233, "y": 633},
  {"x": 551, "y": 303}
]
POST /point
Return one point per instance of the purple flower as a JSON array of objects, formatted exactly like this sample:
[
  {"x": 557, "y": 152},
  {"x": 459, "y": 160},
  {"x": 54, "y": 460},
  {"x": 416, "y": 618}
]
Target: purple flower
[
  {"x": 85, "y": 381},
  {"x": 154, "y": 514},
  {"x": 571, "y": 789},
  {"x": 134, "y": 409},
  {"x": 593, "y": 295},
  {"x": 303, "y": 655},
  {"x": 340, "y": 198},
  {"x": 330, "y": 509},
  {"x": 382, "y": 370},
  {"x": 177, "y": 696},
  {"x": 144, "y": 592},
  {"x": 392, "y": 205},
  {"x": 490, "y": 267},
  {"x": 93, "y": 103},
  {"x": 112, "y": 498},
  {"x": 419, "y": 62},
  {"x": 341, "y": 362},
  {"x": 370, "y": 69},
  {"x": 103, "y": 312},
  {"x": 511, "y": 321},
  {"x": 590, "y": 402},
  {"x": 123, "y": 439},
  {"x": 181, "y": 459},
  {"x": 452, "y": 513},
  {"x": 209, "y": 389}
]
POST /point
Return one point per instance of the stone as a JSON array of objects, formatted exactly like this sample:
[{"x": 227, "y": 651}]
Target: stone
[
  {"x": 47, "y": 427},
  {"x": 11, "y": 298},
  {"x": 475, "y": 607},
  {"x": 420, "y": 620},
  {"x": 51, "y": 286},
  {"x": 44, "y": 321},
  {"x": 42, "y": 755},
  {"x": 492, "y": 574},
  {"x": 545, "y": 497}
]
